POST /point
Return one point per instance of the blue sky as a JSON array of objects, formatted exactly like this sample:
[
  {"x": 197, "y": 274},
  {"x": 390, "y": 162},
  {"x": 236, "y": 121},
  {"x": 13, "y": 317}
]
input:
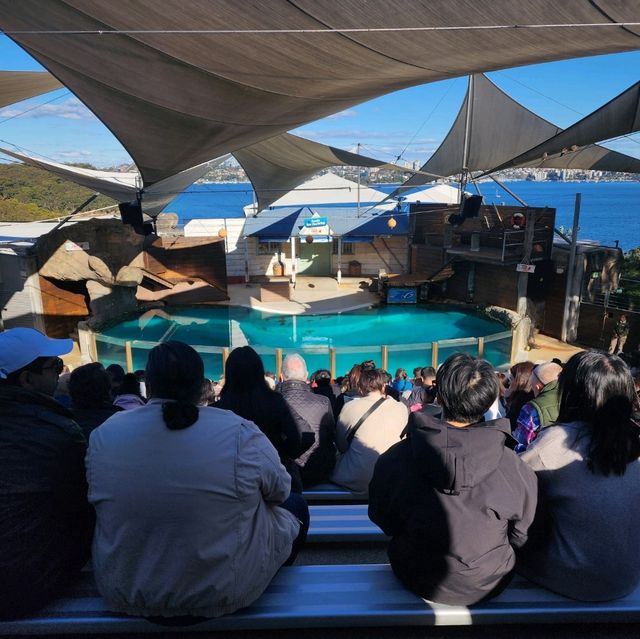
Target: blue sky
[{"x": 411, "y": 122}]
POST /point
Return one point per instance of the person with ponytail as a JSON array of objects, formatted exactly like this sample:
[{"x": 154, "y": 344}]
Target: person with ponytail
[
  {"x": 194, "y": 513},
  {"x": 583, "y": 542}
]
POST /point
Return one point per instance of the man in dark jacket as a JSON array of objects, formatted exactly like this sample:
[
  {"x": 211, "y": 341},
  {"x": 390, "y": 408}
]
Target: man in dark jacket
[
  {"x": 46, "y": 523},
  {"x": 455, "y": 500},
  {"x": 313, "y": 414}
]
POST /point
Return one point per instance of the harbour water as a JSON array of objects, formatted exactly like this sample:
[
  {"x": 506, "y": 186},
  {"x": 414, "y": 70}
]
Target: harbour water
[{"x": 609, "y": 211}]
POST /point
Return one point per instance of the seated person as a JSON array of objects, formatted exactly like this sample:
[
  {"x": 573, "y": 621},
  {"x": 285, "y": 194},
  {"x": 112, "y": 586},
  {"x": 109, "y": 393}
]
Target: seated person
[
  {"x": 194, "y": 516},
  {"x": 368, "y": 425},
  {"x": 314, "y": 419},
  {"x": 583, "y": 542},
  {"x": 542, "y": 410},
  {"x": 455, "y": 500},
  {"x": 401, "y": 382},
  {"x": 90, "y": 391},
  {"x": 46, "y": 522},
  {"x": 129, "y": 394}
]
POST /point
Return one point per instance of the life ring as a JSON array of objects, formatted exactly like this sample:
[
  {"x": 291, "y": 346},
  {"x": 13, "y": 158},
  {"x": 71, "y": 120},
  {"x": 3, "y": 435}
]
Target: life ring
[{"x": 518, "y": 221}]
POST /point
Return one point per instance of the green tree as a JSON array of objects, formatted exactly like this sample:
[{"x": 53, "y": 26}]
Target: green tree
[{"x": 45, "y": 191}]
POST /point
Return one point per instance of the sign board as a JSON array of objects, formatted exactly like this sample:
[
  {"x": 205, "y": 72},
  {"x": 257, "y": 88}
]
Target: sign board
[
  {"x": 76, "y": 246},
  {"x": 316, "y": 226},
  {"x": 402, "y": 295},
  {"x": 312, "y": 222},
  {"x": 526, "y": 268}
]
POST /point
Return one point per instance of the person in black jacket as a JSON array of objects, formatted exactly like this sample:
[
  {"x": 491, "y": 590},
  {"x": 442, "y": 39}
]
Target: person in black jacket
[
  {"x": 245, "y": 392},
  {"x": 313, "y": 415},
  {"x": 90, "y": 391},
  {"x": 46, "y": 522},
  {"x": 454, "y": 498}
]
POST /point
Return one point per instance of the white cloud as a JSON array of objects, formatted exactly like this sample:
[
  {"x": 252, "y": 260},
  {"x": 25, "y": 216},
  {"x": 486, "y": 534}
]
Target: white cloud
[
  {"x": 348, "y": 113},
  {"x": 71, "y": 109},
  {"x": 76, "y": 154}
]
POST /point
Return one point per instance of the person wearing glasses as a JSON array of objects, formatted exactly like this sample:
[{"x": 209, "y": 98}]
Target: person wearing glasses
[
  {"x": 542, "y": 410},
  {"x": 46, "y": 522}
]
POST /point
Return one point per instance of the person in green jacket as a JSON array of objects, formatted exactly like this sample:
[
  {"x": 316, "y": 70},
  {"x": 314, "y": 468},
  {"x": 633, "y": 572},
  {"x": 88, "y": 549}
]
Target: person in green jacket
[{"x": 542, "y": 410}]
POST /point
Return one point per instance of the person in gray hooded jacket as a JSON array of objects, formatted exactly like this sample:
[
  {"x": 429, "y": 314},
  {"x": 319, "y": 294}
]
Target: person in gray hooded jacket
[{"x": 454, "y": 498}]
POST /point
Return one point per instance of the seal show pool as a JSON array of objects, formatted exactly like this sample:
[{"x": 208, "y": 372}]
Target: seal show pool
[{"x": 398, "y": 336}]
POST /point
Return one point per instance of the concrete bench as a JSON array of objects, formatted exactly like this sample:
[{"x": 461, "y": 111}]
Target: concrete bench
[
  {"x": 331, "y": 493},
  {"x": 345, "y": 523},
  {"x": 356, "y": 596}
]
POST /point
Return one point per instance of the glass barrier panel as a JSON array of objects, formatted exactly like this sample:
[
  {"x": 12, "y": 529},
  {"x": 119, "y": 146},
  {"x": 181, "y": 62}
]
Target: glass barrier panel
[
  {"x": 110, "y": 350},
  {"x": 497, "y": 349},
  {"x": 409, "y": 356},
  {"x": 448, "y": 347}
]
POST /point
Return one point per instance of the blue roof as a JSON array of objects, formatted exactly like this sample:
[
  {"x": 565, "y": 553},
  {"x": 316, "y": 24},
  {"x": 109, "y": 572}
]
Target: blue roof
[{"x": 280, "y": 224}]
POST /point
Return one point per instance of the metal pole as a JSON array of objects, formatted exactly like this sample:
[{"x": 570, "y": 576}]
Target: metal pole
[
  {"x": 246, "y": 260},
  {"x": 358, "y": 210},
  {"x": 278, "y": 363},
  {"x": 292, "y": 241},
  {"x": 569, "y": 296},
  {"x": 77, "y": 210},
  {"x": 467, "y": 130},
  {"x": 339, "y": 272},
  {"x": 508, "y": 190},
  {"x": 385, "y": 357},
  {"x": 332, "y": 362}
]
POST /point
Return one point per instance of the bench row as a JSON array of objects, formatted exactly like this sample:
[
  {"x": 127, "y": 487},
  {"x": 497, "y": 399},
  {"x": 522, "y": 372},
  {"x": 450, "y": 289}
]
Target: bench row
[
  {"x": 342, "y": 522},
  {"x": 347, "y": 596}
]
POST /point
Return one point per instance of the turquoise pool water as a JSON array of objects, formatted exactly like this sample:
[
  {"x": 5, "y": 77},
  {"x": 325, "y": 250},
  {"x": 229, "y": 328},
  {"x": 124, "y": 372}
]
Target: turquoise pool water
[{"x": 407, "y": 331}]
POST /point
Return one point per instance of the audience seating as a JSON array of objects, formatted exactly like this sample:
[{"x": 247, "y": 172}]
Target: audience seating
[
  {"x": 332, "y": 494},
  {"x": 355, "y": 596},
  {"x": 347, "y": 523}
]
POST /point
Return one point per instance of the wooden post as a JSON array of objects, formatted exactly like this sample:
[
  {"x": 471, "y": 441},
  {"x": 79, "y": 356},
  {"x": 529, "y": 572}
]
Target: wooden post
[
  {"x": 480, "y": 347},
  {"x": 571, "y": 296},
  {"x": 278, "y": 363},
  {"x": 514, "y": 348},
  {"x": 385, "y": 357},
  {"x": 332, "y": 362},
  {"x": 434, "y": 354},
  {"x": 128, "y": 356},
  {"x": 225, "y": 356}
]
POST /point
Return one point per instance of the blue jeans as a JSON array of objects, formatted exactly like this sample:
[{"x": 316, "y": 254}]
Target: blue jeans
[{"x": 297, "y": 506}]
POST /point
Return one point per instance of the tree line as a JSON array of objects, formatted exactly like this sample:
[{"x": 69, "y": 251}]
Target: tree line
[{"x": 28, "y": 194}]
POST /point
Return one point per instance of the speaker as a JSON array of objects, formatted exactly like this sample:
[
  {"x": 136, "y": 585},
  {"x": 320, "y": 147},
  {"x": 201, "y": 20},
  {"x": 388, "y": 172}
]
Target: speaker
[
  {"x": 131, "y": 213},
  {"x": 471, "y": 206}
]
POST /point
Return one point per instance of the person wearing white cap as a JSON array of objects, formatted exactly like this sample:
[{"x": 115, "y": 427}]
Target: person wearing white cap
[{"x": 46, "y": 522}]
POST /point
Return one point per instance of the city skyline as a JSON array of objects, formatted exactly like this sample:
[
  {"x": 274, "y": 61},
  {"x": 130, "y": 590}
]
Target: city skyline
[{"x": 406, "y": 126}]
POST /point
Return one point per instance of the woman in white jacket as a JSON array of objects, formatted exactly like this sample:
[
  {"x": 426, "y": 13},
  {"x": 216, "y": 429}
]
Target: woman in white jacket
[{"x": 188, "y": 501}]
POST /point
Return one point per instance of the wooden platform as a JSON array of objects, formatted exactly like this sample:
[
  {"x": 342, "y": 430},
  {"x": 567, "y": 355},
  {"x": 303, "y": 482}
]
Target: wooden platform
[{"x": 275, "y": 290}]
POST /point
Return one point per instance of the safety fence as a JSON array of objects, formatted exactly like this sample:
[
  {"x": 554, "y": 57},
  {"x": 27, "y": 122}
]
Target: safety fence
[{"x": 496, "y": 348}]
